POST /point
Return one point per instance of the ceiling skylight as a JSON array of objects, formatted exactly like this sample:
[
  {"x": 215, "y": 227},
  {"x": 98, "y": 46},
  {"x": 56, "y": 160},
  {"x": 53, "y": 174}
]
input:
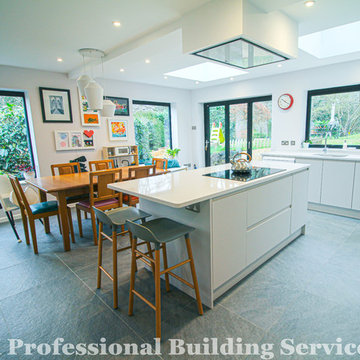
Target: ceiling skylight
[
  {"x": 339, "y": 40},
  {"x": 206, "y": 72}
]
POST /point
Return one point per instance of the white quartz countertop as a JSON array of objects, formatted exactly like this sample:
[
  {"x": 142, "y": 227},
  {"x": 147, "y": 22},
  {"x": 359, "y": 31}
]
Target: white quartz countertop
[
  {"x": 339, "y": 155},
  {"x": 185, "y": 188}
]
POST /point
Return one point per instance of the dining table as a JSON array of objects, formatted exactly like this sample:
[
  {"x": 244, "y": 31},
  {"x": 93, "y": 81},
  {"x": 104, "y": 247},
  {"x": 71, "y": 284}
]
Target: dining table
[{"x": 64, "y": 186}]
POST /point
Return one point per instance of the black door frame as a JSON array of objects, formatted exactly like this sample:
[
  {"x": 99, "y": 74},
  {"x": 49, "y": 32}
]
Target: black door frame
[
  {"x": 21, "y": 94},
  {"x": 226, "y": 104}
]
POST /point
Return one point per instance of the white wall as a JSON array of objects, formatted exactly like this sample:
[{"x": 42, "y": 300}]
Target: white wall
[
  {"x": 288, "y": 124},
  {"x": 43, "y": 134}
]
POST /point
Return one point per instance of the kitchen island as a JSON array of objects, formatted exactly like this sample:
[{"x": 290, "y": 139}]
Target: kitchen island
[{"x": 239, "y": 224}]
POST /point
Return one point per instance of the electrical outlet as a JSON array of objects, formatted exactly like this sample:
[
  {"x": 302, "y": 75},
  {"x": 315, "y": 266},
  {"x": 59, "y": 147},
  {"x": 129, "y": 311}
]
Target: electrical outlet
[
  {"x": 292, "y": 143},
  {"x": 193, "y": 127},
  {"x": 284, "y": 142}
]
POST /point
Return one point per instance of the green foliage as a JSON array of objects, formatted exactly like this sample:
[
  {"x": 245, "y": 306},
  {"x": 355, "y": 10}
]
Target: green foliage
[
  {"x": 14, "y": 148},
  {"x": 346, "y": 117},
  {"x": 172, "y": 152},
  {"x": 152, "y": 129}
]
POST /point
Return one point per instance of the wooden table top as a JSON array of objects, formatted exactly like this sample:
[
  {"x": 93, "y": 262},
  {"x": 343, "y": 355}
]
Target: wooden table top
[{"x": 73, "y": 181}]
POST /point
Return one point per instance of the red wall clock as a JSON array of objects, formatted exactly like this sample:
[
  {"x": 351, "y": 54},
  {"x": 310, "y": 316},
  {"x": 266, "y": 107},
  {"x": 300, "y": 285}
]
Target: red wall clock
[{"x": 285, "y": 101}]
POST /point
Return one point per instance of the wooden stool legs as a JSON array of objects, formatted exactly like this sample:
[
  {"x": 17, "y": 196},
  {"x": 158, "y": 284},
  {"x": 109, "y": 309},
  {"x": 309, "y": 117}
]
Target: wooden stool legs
[
  {"x": 155, "y": 263},
  {"x": 193, "y": 273},
  {"x": 115, "y": 269}
]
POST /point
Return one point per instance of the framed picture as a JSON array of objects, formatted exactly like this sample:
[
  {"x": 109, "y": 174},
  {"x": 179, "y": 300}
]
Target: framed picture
[
  {"x": 76, "y": 140},
  {"x": 55, "y": 105},
  {"x": 122, "y": 105},
  {"x": 117, "y": 129},
  {"x": 88, "y": 117},
  {"x": 62, "y": 140},
  {"x": 88, "y": 139}
]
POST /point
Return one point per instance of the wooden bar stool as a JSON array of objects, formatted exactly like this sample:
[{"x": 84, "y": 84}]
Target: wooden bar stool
[
  {"x": 116, "y": 219},
  {"x": 160, "y": 231}
]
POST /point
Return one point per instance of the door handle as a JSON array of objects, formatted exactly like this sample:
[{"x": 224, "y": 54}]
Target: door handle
[{"x": 206, "y": 144}]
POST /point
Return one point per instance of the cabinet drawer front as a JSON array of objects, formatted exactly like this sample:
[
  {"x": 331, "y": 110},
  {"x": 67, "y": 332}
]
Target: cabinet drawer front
[
  {"x": 268, "y": 199},
  {"x": 337, "y": 183},
  {"x": 229, "y": 231},
  {"x": 356, "y": 193},
  {"x": 266, "y": 235},
  {"x": 316, "y": 168}
]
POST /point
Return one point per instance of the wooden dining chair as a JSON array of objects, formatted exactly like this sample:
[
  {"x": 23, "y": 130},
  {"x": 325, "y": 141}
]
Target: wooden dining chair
[
  {"x": 97, "y": 165},
  {"x": 160, "y": 163},
  {"x": 137, "y": 172},
  {"x": 101, "y": 196},
  {"x": 66, "y": 168},
  {"x": 35, "y": 211}
]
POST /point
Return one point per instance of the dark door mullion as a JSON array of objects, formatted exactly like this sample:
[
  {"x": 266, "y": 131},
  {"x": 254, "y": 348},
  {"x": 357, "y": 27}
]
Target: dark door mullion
[
  {"x": 227, "y": 133},
  {"x": 207, "y": 134},
  {"x": 249, "y": 126}
]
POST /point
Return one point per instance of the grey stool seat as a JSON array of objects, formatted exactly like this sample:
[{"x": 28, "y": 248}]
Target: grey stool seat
[
  {"x": 159, "y": 232},
  {"x": 119, "y": 216},
  {"x": 115, "y": 218},
  {"x": 162, "y": 230}
]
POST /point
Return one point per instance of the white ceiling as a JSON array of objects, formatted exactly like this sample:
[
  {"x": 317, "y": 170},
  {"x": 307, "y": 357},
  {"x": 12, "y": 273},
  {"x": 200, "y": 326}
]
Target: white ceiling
[{"x": 33, "y": 33}]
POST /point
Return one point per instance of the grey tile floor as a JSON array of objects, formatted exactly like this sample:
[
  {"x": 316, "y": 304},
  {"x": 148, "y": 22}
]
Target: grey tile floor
[{"x": 309, "y": 292}]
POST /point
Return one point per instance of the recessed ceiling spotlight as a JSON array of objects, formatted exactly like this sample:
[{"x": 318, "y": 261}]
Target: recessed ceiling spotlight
[
  {"x": 231, "y": 78},
  {"x": 165, "y": 77},
  {"x": 147, "y": 61},
  {"x": 59, "y": 59},
  {"x": 279, "y": 65},
  {"x": 122, "y": 70},
  {"x": 309, "y": 3},
  {"x": 116, "y": 23},
  {"x": 197, "y": 82}
]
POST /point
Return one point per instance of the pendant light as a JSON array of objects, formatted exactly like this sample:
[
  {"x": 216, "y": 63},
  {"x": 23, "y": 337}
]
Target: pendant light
[
  {"x": 83, "y": 79},
  {"x": 108, "y": 109},
  {"x": 89, "y": 87},
  {"x": 94, "y": 95}
]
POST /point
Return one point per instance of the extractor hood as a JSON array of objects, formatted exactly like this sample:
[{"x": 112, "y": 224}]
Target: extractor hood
[
  {"x": 236, "y": 33},
  {"x": 241, "y": 53}
]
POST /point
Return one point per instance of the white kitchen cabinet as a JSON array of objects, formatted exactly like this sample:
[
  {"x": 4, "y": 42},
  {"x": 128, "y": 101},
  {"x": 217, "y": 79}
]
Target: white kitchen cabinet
[
  {"x": 268, "y": 199},
  {"x": 337, "y": 183},
  {"x": 266, "y": 235},
  {"x": 356, "y": 192},
  {"x": 229, "y": 233},
  {"x": 299, "y": 203},
  {"x": 315, "y": 177}
]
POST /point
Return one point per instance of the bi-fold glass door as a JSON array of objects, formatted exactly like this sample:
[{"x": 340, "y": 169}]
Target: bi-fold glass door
[{"x": 237, "y": 125}]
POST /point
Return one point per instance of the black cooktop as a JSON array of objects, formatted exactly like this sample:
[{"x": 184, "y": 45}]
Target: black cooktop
[{"x": 254, "y": 173}]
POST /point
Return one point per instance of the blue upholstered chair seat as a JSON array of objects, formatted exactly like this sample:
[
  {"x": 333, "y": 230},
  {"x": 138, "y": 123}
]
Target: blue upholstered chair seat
[{"x": 43, "y": 207}]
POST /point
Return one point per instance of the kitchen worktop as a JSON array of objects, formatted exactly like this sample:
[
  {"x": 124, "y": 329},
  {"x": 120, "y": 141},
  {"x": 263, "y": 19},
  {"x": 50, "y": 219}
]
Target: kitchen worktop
[
  {"x": 332, "y": 154},
  {"x": 185, "y": 188}
]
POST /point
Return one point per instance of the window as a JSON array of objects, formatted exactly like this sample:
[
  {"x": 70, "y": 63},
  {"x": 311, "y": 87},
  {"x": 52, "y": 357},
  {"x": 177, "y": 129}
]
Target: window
[
  {"x": 237, "y": 125},
  {"x": 334, "y": 114},
  {"x": 152, "y": 122},
  {"x": 15, "y": 144}
]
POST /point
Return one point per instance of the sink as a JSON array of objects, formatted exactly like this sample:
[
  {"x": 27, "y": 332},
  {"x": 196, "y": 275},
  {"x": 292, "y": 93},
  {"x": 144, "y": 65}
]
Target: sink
[{"x": 332, "y": 155}]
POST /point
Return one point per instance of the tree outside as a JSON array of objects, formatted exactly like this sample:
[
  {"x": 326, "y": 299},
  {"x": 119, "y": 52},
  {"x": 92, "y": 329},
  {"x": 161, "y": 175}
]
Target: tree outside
[
  {"x": 14, "y": 145},
  {"x": 152, "y": 128},
  {"x": 337, "y": 115}
]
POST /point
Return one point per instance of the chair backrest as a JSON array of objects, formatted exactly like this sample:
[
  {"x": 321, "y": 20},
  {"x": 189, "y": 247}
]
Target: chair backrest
[
  {"x": 102, "y": 216},
  {"x": 101, "y": 179},
  {"x": 160, "y": 163},
  {"x": 5, "y": 186},
  {"x": 67, "y": 168},
  {"x": 140, "y": 231},
  {"x": 101, "y": 165},
  {"x": 139, "y": 172},
  {"x": 19, "y": 193}
]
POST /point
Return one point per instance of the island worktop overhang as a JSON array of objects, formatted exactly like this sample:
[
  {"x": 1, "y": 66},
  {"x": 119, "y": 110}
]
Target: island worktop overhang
[{"x": 184, "y": 188}]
